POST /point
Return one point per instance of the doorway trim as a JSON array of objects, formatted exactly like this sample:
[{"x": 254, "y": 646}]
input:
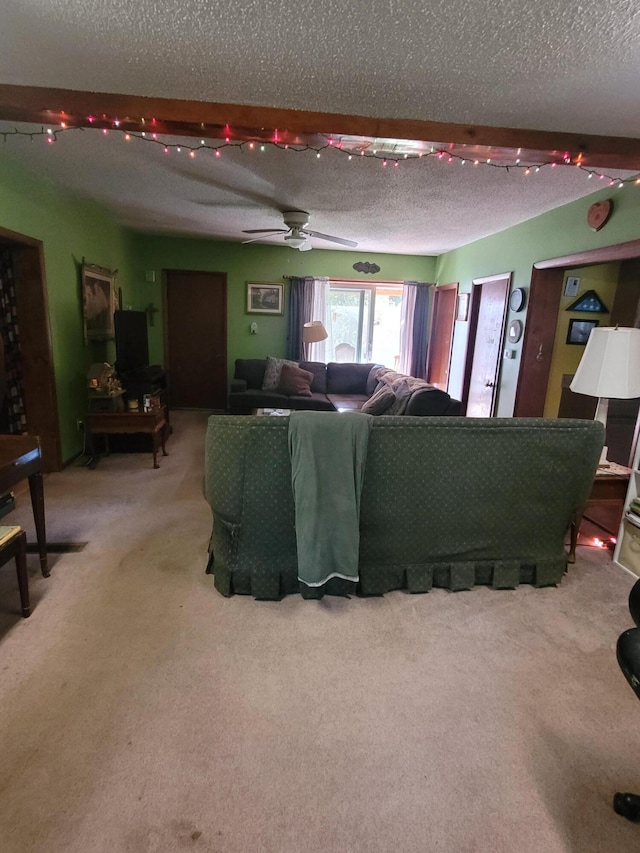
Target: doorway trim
[
  {"x": 474, "y": 313},
  {"x": 441, "y": 339},
  {"x": 540, "y": 329}
]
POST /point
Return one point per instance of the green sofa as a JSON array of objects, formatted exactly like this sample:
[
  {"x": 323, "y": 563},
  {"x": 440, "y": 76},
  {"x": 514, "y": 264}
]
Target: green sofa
[{"x": 446, "y": 502}]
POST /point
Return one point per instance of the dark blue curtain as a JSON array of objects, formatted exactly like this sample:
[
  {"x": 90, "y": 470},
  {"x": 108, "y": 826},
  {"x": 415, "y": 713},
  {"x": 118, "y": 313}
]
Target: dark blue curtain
[
  {"x": 300, "y": 305},
  {"x": 421, "y": 316}
]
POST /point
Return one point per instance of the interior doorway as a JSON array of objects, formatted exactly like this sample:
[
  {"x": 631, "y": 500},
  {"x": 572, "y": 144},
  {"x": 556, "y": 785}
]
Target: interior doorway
[
  {"x": 196, "y": 338},
  {"x": 441, "y": 338},
  {"x": 32, "y": 314},
  {"x": 539, "y": 335},
  {"x": 488, "y": 312}
]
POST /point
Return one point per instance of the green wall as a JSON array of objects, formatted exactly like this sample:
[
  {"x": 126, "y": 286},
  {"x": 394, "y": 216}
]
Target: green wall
[
  {"x": 560, "y": 232},
  {"x": 70, "y": 230},
  {"x": 565, "y": 359},
  {"x": 255, "y": 263}
]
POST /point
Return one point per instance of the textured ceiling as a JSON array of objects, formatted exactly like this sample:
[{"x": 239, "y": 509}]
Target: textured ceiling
[{"x": 530, "y": 64}]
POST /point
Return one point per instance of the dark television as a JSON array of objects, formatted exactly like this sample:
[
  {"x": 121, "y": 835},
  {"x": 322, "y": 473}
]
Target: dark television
[{"x": 132, "y": 342}]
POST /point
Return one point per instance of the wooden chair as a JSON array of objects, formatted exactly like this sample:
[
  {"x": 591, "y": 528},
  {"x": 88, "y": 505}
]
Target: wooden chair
[
  {"x": 345, "y": 352},
  {"x": 13, "y": 543}
]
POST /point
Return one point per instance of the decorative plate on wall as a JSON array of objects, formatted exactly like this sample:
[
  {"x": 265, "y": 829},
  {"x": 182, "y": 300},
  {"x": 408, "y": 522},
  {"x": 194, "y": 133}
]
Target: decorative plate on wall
[
  {"x": 514, "y": 332},
  {"x": 599, "y": 213},
  {"x": 517, "y": 299}
]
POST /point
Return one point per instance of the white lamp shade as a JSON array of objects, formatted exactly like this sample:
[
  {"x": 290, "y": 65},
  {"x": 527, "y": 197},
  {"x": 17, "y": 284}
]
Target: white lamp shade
[
  {"x": 313, "y": 332},
  {"x": 610, "y": 365}
]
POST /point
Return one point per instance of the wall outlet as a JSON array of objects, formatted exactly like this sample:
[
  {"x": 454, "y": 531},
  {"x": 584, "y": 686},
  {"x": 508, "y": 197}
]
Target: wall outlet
[{"x": 79, "y": 425}]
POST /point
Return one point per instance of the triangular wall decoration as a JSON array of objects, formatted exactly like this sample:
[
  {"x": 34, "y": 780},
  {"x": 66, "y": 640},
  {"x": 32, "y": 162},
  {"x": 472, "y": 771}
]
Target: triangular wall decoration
[{"x": 589, "y": 302}]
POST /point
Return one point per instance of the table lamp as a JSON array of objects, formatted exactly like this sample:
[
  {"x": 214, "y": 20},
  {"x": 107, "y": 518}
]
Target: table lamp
[
  {"x": 312, "y": 332},
  {"x": 609, "y": 368}
]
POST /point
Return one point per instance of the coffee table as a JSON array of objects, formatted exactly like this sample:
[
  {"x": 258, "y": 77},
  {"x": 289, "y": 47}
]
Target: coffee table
[{"x": 117, "y": 423}]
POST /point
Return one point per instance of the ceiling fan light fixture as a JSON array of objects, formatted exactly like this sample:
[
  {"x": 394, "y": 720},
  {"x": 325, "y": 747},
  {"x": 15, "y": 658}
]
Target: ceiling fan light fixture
[{"x": 295, "y": 240}]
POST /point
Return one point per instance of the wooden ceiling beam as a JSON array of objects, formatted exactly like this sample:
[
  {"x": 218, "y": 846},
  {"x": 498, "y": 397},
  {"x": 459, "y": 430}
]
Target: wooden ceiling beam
[{"x": 191, "y": 118}]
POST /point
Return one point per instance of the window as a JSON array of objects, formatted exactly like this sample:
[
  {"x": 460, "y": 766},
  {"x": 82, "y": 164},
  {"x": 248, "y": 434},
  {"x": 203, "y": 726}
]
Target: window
[{"x": 365, "y": 322}]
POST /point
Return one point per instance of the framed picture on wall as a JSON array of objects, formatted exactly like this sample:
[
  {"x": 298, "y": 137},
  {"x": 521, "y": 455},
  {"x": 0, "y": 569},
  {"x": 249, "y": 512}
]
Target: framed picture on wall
[
  {"x": 98, "y": 302},
  {"x": 579, "y": 331},
  {"x": 265, "y": 298}
]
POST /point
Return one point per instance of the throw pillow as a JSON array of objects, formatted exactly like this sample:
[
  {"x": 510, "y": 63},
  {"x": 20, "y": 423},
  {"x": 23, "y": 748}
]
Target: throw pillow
[
  {"x": 379, "y": 402},
  {"x": 294, "y": 381},
  {"x": 272, "y": 372}
]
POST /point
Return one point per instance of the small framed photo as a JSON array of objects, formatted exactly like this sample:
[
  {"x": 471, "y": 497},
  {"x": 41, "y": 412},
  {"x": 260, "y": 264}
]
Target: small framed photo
[
  {"x": 462, "y": 312},
  {"x": 265, "y": 298},
  {"x": 571, "y": 286},
  {"x": 98, "y": 302},
  {"x": 579, "y": 331}
]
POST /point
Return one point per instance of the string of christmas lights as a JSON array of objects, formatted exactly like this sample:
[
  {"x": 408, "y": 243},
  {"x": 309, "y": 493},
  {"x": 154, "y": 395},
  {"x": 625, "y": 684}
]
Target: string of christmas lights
[{"x": 368, "y": 152}]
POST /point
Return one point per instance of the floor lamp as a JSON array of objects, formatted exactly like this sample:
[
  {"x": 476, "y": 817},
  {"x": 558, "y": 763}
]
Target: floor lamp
[
  {"x": 609, "y": 369},
  {"x": 312, "y": 333}
]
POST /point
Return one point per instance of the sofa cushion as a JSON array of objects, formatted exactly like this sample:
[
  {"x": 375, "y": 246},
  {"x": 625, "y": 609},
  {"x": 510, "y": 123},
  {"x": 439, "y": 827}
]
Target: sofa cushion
[
  {"x": 347, "y": 378},
  {"x": 319, "y": 370},
  {"x": 295, "y": 381},
  {"x": 251, "y": 371},
  {"x": 380, "y": 401},
  {"x": 316, "y": 402},
  {"x": 347, "y": 402},
  {"x": 272, "y": 372},
  {"x": 254, "y": 398}
]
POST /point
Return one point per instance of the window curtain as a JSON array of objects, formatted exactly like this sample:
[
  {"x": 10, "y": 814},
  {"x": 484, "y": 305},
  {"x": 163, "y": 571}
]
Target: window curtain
[
  {"x": 414, "y": 328},
  {"x": 12, "y": 411},
  {"x": 321, "y": 310},
  {"x": 300, "y": 305}
]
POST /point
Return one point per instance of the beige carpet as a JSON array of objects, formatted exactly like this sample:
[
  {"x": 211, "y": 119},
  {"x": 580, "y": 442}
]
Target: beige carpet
[{"x": 143, "y": 712}]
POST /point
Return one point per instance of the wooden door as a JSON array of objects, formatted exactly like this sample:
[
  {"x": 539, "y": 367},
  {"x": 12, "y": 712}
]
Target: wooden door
[
  {"x": 489, "y": 309},
  {"x": 538, "y": 342},
  {"x": 441, "y": 338},
  {"x": 196, "y": 339}
]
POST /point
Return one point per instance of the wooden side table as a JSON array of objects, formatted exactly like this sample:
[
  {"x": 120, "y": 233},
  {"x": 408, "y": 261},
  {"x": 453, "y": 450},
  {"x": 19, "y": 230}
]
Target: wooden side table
[
  {"x": 119, "y": 423},
  {"x": 609, "y": 487}
]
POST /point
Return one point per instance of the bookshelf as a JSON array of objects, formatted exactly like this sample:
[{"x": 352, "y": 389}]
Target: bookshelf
[{"x": 627, "y": 551}]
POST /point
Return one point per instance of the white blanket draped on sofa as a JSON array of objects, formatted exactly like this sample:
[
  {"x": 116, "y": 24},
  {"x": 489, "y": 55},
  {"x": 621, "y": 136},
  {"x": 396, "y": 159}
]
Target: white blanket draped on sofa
[{"x": 328, "y": 458}]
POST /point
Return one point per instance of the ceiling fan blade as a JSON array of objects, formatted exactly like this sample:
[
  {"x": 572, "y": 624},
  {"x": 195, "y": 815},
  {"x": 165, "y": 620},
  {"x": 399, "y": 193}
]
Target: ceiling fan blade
[
  {"x": 340, "y": 240},
  {"x": 265, "y": 231},
  {"x": 262, "y": 236}
]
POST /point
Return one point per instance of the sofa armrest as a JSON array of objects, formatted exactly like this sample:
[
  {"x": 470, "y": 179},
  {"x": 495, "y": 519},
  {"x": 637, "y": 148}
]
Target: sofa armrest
[
  {"x": 238, "y": 386},
  {"x": 431, "y": 402}
]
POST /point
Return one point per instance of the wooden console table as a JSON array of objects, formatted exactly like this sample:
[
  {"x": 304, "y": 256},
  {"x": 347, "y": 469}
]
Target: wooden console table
[
  {"x": 20, "y": 458},
  {"x": 119, "y": 423},
  {"x": 609, "y": 487}
]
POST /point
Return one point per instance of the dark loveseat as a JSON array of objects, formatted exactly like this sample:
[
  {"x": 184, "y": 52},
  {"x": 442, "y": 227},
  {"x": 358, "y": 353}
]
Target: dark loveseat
[{"x": 335, "y": 387}]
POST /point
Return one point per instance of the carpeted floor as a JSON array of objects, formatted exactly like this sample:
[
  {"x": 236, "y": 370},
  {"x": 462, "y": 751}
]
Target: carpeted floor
[{"x": 142, "y": 712}]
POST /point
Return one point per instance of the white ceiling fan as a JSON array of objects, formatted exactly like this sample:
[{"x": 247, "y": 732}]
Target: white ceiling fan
[{"x": 296, "y": 232}]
